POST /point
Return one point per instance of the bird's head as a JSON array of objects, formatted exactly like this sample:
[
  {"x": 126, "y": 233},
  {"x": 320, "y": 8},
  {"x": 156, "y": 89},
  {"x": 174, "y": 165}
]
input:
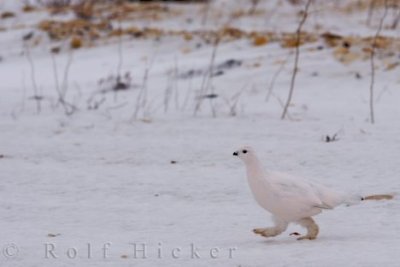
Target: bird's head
[{"x": 245, "y": 153}]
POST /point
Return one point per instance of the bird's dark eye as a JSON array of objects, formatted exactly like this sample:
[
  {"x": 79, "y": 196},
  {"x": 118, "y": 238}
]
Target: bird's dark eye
[{"x": 244, "y": 151}]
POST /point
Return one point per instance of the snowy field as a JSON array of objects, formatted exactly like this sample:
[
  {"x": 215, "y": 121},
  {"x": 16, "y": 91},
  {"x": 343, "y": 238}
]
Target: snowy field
[{"x": 136, "y": 169}]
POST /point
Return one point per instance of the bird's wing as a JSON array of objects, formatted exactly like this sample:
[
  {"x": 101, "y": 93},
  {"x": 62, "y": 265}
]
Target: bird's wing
[
  {"x": 296, "y": 189},
  {"x": 301, "y": 190},
  {"x": 328, "y": 196}
]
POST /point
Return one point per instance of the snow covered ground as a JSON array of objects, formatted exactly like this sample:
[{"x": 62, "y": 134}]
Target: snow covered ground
[{"x": 102, "y": 181}]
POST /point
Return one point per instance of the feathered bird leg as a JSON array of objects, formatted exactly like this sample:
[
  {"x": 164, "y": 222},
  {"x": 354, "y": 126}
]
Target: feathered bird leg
[
  {"x": 280, "y": 227},
  {"x": 311, "y": 226}
]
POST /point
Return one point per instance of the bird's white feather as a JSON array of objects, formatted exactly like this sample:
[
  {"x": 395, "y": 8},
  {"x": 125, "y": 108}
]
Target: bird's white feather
[{"x": 288, "y": 197}]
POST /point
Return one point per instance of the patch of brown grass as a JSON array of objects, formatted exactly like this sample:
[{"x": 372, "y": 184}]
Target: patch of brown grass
[
  {"x": 60, "y": 30},
  {"x": 7, "y": 15}
]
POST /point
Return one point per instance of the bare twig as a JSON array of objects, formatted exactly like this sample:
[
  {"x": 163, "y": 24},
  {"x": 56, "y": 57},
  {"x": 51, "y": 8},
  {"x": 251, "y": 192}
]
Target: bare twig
[
  {"x": 296, "y": 59},
  {"x": 176, "y": 83},
  {"x": 332, "y": 138},
  {"x": 188, "y": 94},
  {"x": 371, "y": 8},
  {"x": 168, "y": 92},
  {"x": 120, "y": 52},
  {"x": 120, "y": 58},
  {"x": 37, "y": 97},
  {"x": 382, "y": 93},
  {"x": 56, "y": 80},
  {"x": 206, "y": 11},
  {"x": 396, "y": 19},
  {"x": 94, "y": 104},
  {"x": 282, "y": 104},
  {"x": 372, "y": 61},
  {"x": 172, "y": 88},
  {"x": 69, "y": 109},
  {"x": 62, "y": 88},
  {"x": 21, "y": 106},
  {"x": 233, "y": 101},
  {"x": 276, "y": 74},
  {"x": 211, "y": 97},
  {"x": 141, "y": 99},
  {"x": 206, "y": 83},
  {"x": 108, "y": 111},
  {"x": 254, "y": 4}
]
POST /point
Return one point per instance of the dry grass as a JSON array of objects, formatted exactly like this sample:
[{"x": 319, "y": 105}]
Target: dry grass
[
  {"x": 93, "y": 26},
  {"x": 345, "y": 49},
  {"x": 7, "y": 14}
]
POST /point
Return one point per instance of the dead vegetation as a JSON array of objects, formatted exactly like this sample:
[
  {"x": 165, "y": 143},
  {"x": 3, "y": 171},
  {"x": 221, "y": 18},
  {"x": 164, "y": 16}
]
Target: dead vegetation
[
  {"x": 346, "y": 49},
  {"x": 297, "y": 43},
  {"x": 94, "y": 23},
  {"x": 7, "y": 15},
  {"x": 102, "y": 22},
  {"x": 92, "y": 31},
  {"x": 61, "y": 30},
  {"x": 100, "y": 10}
]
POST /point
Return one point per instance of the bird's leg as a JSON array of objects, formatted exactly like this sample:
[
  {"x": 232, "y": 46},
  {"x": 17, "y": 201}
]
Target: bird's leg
[
  {"x": 280, "y": 226},
  {"x": 311, "y": 226}
]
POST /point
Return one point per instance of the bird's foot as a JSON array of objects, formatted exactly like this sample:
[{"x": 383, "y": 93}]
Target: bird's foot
[
  {"x": 258, "y": 230},
  {"x": 266, "y": 232},
  {"x": 307, "y": 237},
  {"x": 312, "y": 229}
]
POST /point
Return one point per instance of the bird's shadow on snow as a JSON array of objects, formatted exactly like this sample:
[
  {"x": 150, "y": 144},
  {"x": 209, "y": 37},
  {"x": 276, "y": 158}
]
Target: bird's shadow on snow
[{"x": 320, "y": 240}]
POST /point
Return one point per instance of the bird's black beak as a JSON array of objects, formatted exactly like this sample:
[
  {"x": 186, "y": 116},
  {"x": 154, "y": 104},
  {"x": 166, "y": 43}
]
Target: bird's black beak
[{"x": 235, "y": 153}]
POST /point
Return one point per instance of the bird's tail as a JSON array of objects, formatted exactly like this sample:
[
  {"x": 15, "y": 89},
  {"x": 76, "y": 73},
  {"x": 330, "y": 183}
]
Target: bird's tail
[
  {"x": 356, "y": 199},
  {"x": 378, "y": 197}
]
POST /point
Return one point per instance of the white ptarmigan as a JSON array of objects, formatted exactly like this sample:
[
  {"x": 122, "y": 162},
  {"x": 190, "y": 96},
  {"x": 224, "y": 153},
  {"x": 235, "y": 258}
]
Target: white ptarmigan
[{"x": 291, "y": 199}]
